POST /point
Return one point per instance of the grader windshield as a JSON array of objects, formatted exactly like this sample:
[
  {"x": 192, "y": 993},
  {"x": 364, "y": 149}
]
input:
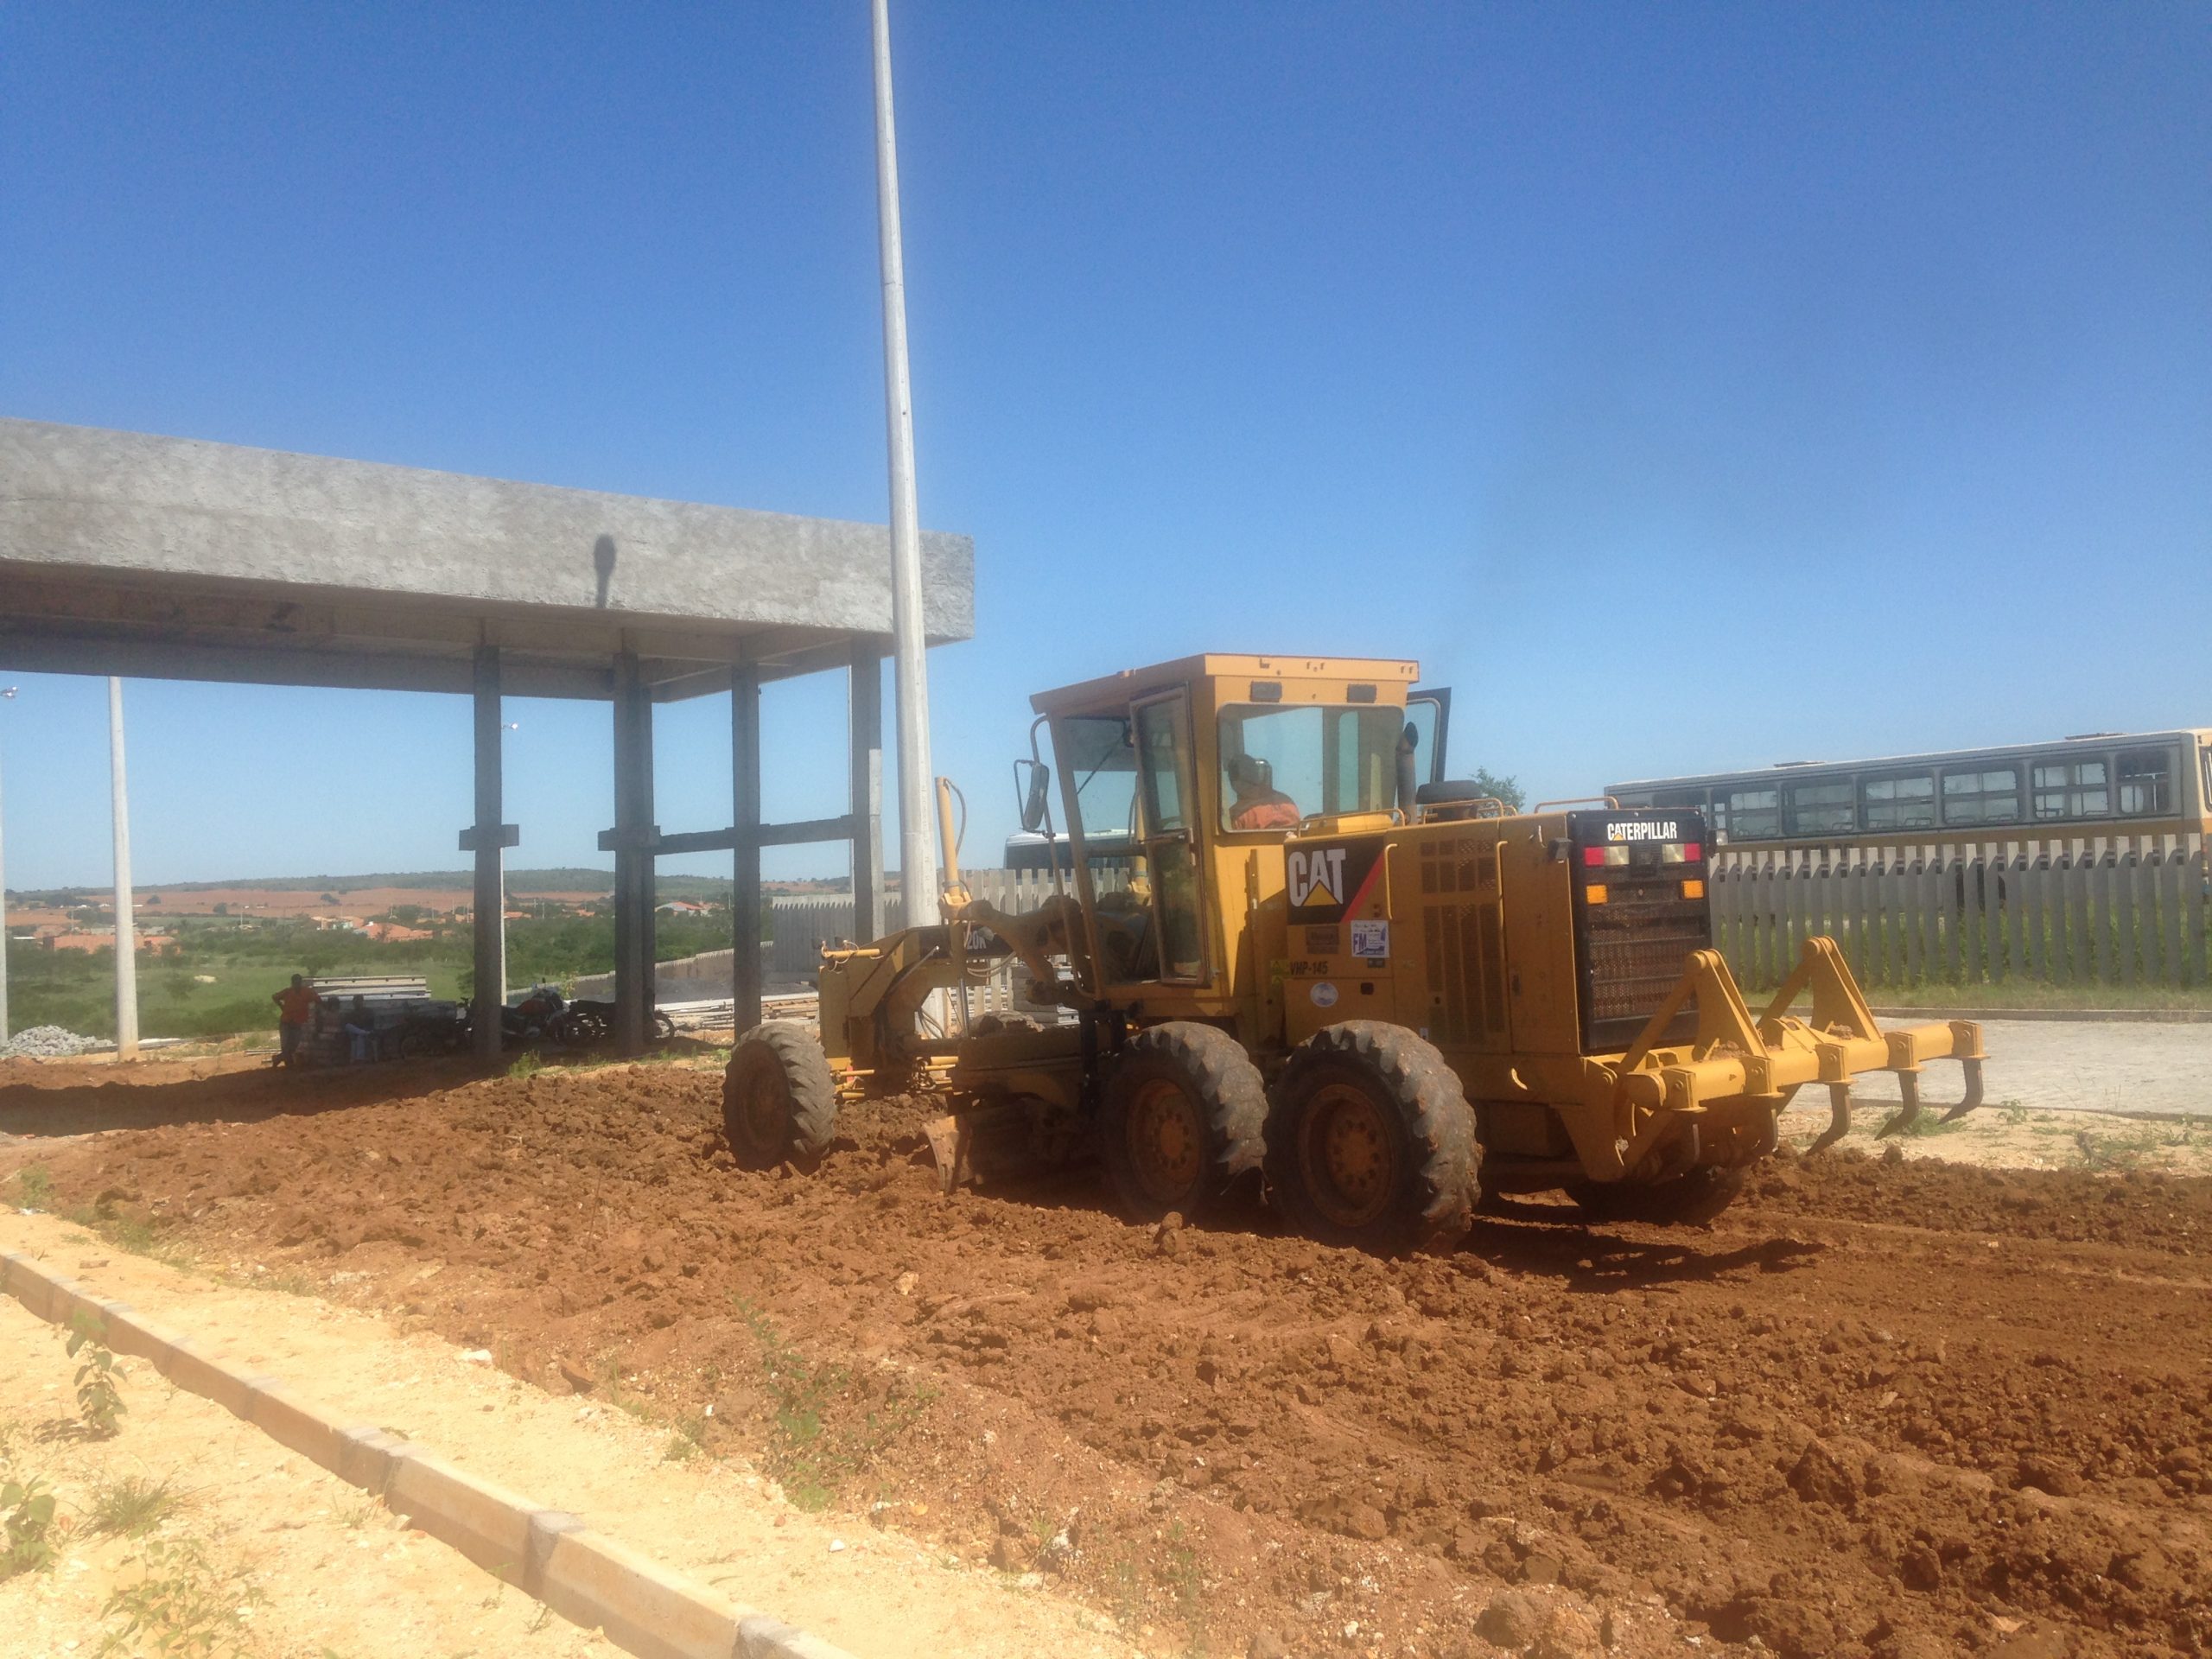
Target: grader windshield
[{"x": 1280, "y": 764}]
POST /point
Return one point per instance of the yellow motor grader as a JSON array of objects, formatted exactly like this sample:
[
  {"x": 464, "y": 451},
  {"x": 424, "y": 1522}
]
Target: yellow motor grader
[{"x": 1279, "y": 942}]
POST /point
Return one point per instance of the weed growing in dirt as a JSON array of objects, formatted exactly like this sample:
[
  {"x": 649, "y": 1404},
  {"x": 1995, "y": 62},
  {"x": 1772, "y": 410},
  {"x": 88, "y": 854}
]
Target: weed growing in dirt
[
  {"x": 527, "y": 1066},
  {"x": 138, "y": 1237},
  {"x": 611, "y": 1390},
  {"x": 131, "y": 1506},
  {"x": 498, "y": 1589},
  {"x": 688, "y": 1440},
  {"x": 289, "y": 1284},
  {"x": 184, "y": 1605},
  {"x": 1190, "y": 1590},
  {"x": 2131, "y": 1149},
  {"x": 99, "y": 1392},
  {"x": 353, "y": 1516},
  {"x": 26, "y": 1526},
  {"x": 816, "y": 1444},
  {"x": 543, "y": 1618},
  {"x": 1928, "y": 1124},
  {"x": 2015, "y": 1114},
  {"x": 34, "y": 1187}
]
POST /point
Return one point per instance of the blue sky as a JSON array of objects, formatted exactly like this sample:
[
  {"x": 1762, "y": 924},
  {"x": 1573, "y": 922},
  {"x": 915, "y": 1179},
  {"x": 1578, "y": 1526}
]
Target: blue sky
[{"x": 1688, "y": 387}]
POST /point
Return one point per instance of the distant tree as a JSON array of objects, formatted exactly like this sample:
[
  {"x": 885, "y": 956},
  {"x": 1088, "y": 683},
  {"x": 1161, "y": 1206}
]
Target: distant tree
[
  {"x": 1506, "y": 789},
  {"x": 153, "y": 897},
  {"x": 222, "y": 909},
  {"x": 329, "y": 898}
]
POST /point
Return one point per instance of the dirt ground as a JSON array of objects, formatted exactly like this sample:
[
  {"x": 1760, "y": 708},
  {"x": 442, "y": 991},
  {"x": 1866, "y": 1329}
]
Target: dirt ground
[
  {"x": 1883, "y": 1406},
  {"x": 322, "y": 1571}
]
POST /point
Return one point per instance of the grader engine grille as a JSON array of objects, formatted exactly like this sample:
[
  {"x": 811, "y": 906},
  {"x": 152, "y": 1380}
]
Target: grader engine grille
[
  {"x": 1639, "y": 911},
  {"x": 1466, "y": 956}
]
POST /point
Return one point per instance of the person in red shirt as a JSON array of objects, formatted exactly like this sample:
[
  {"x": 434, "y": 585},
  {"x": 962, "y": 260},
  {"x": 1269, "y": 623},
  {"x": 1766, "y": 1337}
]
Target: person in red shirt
[
  {"x": 295, "y": 1007},
  {"x": 1259, "y": 804}
]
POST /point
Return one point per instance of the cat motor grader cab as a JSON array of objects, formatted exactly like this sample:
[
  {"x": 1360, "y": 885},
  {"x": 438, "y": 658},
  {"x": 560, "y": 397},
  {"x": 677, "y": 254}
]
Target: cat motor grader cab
[{"x": 1284, "y": 941}]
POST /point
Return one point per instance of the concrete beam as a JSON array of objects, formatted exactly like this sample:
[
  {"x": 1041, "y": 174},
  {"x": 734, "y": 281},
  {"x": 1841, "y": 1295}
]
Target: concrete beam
[{"x": 129, "y": 507}]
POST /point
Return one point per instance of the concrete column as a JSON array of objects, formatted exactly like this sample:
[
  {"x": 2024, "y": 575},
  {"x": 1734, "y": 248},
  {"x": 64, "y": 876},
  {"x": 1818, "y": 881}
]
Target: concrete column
[
  {"x": 865, "y": 703},
  {"x": 489, "y": 968},
  {"x": 745, "y": 861},
  {"x": 633, "y": 963},
  {"x": 126, "y": 934}
]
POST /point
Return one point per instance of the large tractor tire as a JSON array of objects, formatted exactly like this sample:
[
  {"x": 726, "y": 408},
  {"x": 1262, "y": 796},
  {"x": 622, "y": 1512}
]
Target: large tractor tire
[
  {"x": 778, "y": 1103},
  {"x": 1686, "y": 1201},
  {"x": 1371, "y": 1144},
  {"x": 1180, "y": 1120}
]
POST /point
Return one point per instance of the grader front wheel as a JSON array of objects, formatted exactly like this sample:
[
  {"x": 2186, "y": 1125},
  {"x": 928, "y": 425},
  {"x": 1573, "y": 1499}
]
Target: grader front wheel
[
  {"x": 1180, "y": 1120},
  {"x": 1371, "y": 1143},
  {"x": 778, "y": 1102}
]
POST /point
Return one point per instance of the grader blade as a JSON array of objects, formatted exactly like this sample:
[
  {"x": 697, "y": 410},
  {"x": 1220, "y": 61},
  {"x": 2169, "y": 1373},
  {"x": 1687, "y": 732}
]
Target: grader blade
[{"x": 985, "y": 1145}]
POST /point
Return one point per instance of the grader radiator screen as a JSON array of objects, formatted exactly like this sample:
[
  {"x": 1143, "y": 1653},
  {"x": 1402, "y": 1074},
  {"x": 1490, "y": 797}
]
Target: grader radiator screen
[{"x": 1639, "y": 911}]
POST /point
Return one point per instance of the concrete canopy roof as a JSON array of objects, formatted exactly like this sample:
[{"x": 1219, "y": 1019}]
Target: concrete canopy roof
[{"x": 124, "y": 553}]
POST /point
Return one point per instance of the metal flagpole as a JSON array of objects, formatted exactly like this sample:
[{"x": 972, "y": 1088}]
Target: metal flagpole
[
  {"x": 917, "y": 855},
  {"x": 126, "y": 935}
]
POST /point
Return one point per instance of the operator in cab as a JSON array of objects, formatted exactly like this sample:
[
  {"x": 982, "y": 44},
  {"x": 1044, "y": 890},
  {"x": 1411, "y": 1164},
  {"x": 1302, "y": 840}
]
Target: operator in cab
[{"x": 1258, "y": 803}]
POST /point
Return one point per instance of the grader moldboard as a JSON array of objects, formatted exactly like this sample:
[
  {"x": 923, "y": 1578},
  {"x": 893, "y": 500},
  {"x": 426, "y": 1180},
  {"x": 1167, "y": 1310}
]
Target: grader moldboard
[{"x": 1276, "y": 946}]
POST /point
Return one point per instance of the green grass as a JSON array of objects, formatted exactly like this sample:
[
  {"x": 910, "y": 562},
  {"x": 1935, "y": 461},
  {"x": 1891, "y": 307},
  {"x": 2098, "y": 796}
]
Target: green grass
[
  {"x": 246, "y": 963},
  {"x": 132, "y": 1506}
]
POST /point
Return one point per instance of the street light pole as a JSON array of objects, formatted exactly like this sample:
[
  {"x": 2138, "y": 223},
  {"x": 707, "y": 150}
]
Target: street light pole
[
  {"x": 916, "y": 857},
  {"x": 126, "y": 935}
]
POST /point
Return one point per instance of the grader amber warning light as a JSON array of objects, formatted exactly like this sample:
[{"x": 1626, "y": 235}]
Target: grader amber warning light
[{"x": 1284, "y": 942}]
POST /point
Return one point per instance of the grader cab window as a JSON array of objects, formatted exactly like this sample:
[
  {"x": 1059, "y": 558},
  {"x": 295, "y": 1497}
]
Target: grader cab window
[{"x": 1282, "y": 764}]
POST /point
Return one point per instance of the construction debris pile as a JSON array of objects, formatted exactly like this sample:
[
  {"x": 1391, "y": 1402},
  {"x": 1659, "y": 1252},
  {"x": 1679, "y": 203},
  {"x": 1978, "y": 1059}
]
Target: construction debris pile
[{"x": 48, "y": 1043}]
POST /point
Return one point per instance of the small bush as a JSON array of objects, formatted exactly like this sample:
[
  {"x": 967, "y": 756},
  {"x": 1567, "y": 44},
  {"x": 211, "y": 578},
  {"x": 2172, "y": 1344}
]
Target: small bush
[
  {"x": 34, "y": 1188},
  {"x": 26, "y": 1525},
  {"x": 99, "y": 1395},
  {"x": 184, "y": 1605}
]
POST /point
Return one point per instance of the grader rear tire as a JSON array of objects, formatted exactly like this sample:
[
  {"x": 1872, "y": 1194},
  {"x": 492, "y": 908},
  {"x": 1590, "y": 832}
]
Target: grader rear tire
[
  {"x": 1180, "y": 1120},
  {"x": 1371, "y": 1144},
  {"x": 778, "y": 1103}
]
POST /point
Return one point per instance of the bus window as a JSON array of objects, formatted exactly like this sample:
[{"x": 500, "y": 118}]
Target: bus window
[
  {"x": 1822, "y": 809},
  {"x": 1990, "y": 796},
  {"x": 2071, "y": 789},
  {"x": 1906, "y": 801},
  {"x": 1754, "y": 814},
  {"x": 2146, "y": 783}
]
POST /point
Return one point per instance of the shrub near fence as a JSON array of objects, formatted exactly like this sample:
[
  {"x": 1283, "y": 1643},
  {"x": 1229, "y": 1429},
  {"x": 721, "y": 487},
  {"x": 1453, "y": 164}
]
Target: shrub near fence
[{"x": 2120, "y": 911}]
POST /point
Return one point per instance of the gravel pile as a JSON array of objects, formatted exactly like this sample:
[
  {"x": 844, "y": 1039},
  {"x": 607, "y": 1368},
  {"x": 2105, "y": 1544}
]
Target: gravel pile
[{"x": 47, "y": 1043}]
